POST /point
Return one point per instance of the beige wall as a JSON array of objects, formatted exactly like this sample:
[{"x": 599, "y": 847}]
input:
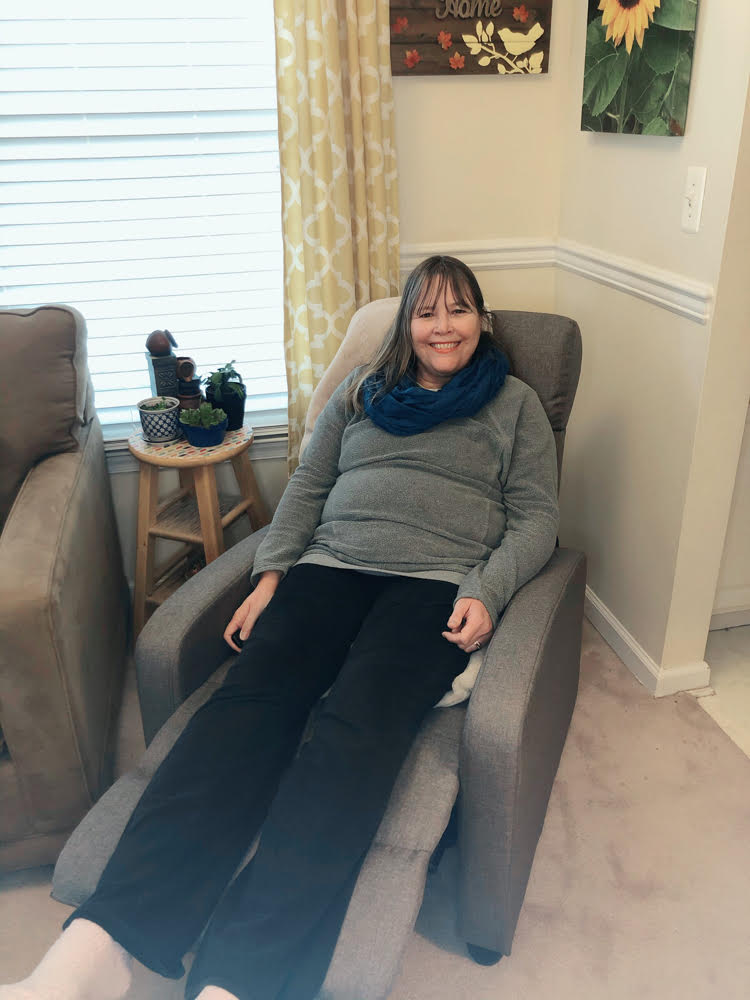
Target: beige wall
[
  {"x": 671, "y": 391},
  {"x": 628, "y": 449},
  {"x": 484, "y": 160},
  {"x": 479, "y": 156},
  {"x": 519, "y": 288},
  {"x": 719, "y": 431},
  {"x": 733, "y": 589},
  {"x": 732, "y": 601},
  {"x": 479, "y": 163},
  {"x": 624, "y": 193}
]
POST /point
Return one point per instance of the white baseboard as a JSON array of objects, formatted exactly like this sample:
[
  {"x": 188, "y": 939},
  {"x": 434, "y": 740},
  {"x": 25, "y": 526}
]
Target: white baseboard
[
  {"x": 657, "y": 680},
  {"x": 731, "y": 606},
  {"x": 729, "y": 619}
]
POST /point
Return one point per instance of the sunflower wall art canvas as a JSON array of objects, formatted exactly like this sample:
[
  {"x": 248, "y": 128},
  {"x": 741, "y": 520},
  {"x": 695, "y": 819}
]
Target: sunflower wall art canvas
[
  {"x": 639, "y": 58},
  {"x": 458, "y": 37}
]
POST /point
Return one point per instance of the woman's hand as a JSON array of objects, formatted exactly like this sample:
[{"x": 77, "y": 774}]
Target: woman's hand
[
  {"x": 469, "y": 624},
  {"x": 249, "y": 611}
]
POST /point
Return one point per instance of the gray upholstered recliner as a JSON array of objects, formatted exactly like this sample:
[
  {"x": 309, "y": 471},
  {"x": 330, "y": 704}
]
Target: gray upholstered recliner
[
  {"x": 64, "y": 605},
  {"x": 498, "y": 754}
]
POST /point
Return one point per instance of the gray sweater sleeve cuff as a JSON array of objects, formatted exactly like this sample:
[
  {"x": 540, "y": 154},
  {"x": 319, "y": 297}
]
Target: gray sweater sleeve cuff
[{"x": 471, "y": 587}]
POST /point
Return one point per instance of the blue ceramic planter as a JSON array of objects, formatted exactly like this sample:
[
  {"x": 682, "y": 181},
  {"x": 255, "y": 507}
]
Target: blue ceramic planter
[
  {"x": 205, "y": 437},
  {"x": 160, "y": 425}
]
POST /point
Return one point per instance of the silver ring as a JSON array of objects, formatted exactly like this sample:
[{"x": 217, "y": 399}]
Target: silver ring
[{"x": 477, "y": 645}]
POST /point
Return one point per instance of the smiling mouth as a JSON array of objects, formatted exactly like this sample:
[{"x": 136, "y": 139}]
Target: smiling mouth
[{"x": 444, "y": 348}]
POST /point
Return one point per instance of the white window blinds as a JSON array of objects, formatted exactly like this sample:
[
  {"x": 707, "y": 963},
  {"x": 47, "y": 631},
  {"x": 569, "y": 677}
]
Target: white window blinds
[{"x": 139, "y": 182}]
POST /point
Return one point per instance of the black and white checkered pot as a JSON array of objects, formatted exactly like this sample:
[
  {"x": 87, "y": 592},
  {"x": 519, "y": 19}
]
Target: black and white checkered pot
[{"x": 160, "y": 425}]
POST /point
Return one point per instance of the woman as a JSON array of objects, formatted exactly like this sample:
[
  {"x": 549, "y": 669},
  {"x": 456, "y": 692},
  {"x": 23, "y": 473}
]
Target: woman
[{"x": 426, "y": 496}]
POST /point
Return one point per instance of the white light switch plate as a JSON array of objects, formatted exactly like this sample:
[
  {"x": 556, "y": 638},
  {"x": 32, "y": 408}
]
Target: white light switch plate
[{"x": 692, "y": 199}]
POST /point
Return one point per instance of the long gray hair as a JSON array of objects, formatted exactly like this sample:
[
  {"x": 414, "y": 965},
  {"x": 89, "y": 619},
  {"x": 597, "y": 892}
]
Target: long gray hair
[{"x": 395, "y": 357}]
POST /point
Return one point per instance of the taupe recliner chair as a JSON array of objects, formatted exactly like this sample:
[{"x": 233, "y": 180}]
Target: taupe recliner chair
[
  {"x": 496, "y": 755},
  {"x": 64, "y": 605}
]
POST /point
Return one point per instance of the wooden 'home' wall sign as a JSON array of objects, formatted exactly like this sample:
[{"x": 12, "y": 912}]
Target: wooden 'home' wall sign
[{"x": 429, "y": 37}]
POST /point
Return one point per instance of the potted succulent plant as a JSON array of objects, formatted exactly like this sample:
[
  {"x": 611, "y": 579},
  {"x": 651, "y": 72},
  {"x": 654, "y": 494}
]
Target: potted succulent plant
[
  {"x": 205, "y": 426},
  {"x": 159, "y": 418},
  {"x": 225, "y": 388}
]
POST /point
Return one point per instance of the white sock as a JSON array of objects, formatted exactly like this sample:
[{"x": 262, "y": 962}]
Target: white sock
[
  {"x": 85, "y": 963},
  {"x": 215, "y": 993}
]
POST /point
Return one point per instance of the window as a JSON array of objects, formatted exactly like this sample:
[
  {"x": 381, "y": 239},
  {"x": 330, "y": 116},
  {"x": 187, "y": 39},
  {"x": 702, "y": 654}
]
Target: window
[{"x": 139, "y": 182}]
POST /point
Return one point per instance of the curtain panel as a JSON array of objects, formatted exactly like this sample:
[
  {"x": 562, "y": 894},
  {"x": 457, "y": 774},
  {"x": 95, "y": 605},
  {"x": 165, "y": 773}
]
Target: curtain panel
[{"x": 338, "y": 175}]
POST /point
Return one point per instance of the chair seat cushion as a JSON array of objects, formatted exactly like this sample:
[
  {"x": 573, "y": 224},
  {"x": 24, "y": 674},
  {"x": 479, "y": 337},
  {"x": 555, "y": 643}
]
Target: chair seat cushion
[
  {"x": 390, "y": 887},
  {"x": 389, "y": 890},
  {"x": 418, "y": 811}
]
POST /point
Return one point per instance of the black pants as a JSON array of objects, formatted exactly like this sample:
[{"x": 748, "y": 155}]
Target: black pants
[{"x": 378, "y": 641}]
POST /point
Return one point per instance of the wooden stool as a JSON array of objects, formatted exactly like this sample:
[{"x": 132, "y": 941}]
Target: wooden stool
[{"x": 195, "y": 514}]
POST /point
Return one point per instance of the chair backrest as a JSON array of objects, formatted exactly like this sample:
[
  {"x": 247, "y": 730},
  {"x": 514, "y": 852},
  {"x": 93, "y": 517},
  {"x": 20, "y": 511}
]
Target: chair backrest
[
  {"x": 45, "y": 391},
  {"x": 544, "y": 351}
]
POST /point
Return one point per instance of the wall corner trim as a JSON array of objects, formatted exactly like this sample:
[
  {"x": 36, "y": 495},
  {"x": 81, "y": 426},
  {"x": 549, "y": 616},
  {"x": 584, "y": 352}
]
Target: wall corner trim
[
  {"x": 486, "y": 255},
  {"x": 671, "y": 291},
  {"x": 666, "y": 289},
  {"x": 658, "y": 680}
]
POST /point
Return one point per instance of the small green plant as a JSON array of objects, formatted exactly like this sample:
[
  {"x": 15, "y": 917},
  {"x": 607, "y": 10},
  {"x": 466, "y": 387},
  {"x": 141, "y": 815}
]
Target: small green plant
[
  {"x": 203, "y": 416},
  {"x": 160, "y": 404},
  {"x": 225, "y": 380}
]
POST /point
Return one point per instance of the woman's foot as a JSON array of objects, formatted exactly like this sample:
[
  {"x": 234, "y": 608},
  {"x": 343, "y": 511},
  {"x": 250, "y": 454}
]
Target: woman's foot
[{"x": 85, "y": 963}]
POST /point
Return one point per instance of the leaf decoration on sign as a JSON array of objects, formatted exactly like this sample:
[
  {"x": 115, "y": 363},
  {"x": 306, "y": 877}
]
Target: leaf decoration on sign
[
  {"x": 513, "y": 45},
  {"x": 535, "y": 62},
  {"x": 474, "y": 46}
]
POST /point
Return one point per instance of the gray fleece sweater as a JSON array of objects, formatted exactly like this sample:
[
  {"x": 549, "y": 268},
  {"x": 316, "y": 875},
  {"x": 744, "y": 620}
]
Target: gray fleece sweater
[{"x": 472, "y": 501}]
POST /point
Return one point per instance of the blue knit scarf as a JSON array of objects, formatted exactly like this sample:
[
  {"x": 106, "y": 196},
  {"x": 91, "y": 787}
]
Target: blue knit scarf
[{"x": 409, "y": 409}]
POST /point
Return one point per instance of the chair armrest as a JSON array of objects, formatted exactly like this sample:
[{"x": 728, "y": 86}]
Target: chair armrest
[
  {"x": 63, "y": 631},
  {"x": 182, "y": 643},
  {"x": 516, "y": 724}
]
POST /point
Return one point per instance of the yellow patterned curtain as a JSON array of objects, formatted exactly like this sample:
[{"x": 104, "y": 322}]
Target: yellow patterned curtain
[{"x": 338, "y": 170}]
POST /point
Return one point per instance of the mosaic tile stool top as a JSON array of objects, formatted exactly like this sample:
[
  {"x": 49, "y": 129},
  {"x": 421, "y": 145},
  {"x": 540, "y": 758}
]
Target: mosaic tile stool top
[{"x": 181, "y": 453}]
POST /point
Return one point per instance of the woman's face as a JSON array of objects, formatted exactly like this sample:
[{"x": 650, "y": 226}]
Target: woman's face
[{"x": 444, "y": 335}]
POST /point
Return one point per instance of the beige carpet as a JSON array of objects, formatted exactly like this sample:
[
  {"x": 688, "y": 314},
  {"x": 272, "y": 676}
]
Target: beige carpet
[
  {"x": 640, "y": 888},
  {"x": 641, "y": 883}
]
